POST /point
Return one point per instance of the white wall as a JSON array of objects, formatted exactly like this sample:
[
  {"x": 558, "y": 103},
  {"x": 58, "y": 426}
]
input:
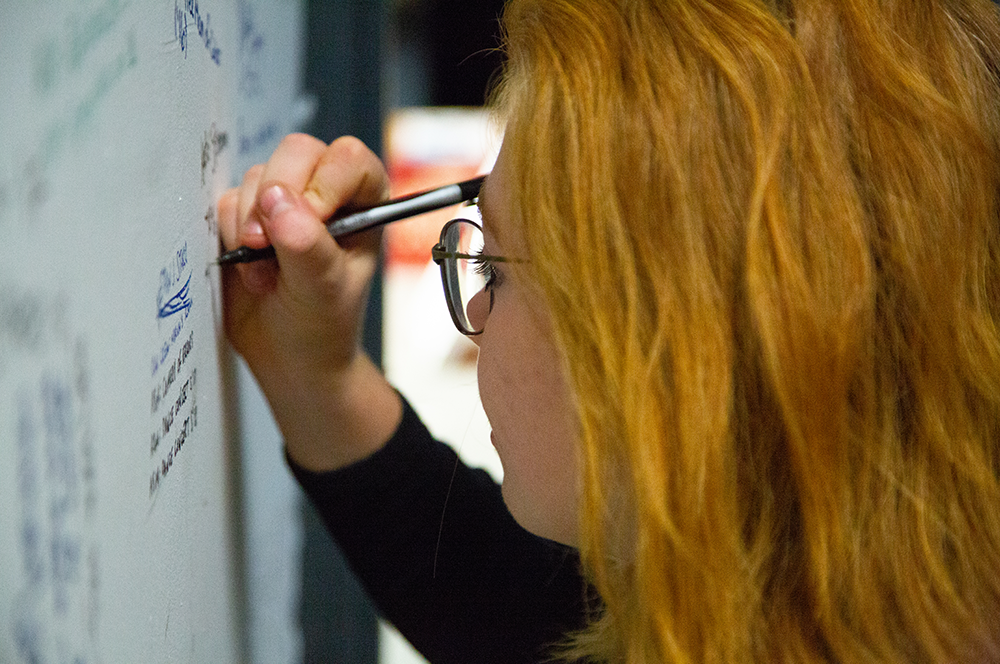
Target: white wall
[{"x": 122, "y": 504}]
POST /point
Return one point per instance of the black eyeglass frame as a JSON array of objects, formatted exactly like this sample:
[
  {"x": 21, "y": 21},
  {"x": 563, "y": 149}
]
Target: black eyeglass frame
[{"x": 440, "y": 254}]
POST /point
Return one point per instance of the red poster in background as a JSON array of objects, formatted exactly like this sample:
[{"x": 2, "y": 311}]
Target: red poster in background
[{"x": 428, "y": 148}]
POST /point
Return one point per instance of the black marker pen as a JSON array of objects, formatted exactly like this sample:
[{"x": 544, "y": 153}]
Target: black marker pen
[{"x": 384, "y": 213}]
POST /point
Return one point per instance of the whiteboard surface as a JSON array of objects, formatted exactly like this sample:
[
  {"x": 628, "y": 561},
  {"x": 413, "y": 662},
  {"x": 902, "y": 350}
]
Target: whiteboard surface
[{"x": 119, "y": 477}]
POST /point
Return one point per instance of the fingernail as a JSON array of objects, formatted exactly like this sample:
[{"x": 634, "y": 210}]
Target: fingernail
[
  {"x": 274, "y": 200},
  {"x": 253, "y": 227}
]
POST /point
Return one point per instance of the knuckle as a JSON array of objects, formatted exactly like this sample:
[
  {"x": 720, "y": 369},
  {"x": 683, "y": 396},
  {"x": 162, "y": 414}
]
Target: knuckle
[
  {"x": 228, "y": 200},
  {"x": 350, "y": 148},
  {"x": 300, "y": 142},
  {"x": 366, "y": 164},
  {"x": 253, "y": 174}
]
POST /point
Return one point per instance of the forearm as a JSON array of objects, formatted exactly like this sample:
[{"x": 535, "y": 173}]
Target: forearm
[
  {"x": 296, "y": 319},
  {"x": 431, "y": 538},
  {"x": 329, "y": 421}
]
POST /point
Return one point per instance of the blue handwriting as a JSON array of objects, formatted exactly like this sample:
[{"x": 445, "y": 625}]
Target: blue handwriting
[{"x": 189, "y": 16}]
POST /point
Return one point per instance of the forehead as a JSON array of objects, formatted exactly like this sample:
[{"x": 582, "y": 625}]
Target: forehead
[
  {"x": 493, "y": 206},
  {"x": 486, "y": 199},
  {"x": 494, "y": 218}
]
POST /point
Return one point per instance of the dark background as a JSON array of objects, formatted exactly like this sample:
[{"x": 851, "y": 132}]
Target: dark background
[{"x": 363, "y": 58}]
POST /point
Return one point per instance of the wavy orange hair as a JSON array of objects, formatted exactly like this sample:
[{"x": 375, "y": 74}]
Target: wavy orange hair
[{"x": 769, "y": 234}]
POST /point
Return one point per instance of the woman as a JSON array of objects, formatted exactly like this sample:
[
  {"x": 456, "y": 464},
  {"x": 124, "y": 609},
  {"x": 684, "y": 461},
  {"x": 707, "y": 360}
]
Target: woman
[{"x": 741, "y": 349}]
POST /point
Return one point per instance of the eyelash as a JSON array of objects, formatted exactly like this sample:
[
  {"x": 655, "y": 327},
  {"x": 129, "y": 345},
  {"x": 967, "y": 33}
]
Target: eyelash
[{"x": 485, "y": 267}]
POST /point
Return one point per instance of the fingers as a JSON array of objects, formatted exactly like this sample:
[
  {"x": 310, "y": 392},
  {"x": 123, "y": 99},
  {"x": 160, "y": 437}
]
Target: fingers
[
  {"x": 311, "y": 181},
  {"x": 251, "y": 233},
  {"x": 286, "y": 202},
  {"x": 228, "y": 213},
  {"x": 346, "y": 174},
  {"x": 293, "y": 162},
  {"x": 304, "y": 247},
  {"x": 236, "y": 229}
]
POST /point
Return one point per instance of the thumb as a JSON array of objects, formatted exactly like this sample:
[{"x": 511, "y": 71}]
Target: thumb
[{"x": 304, "y": 247}]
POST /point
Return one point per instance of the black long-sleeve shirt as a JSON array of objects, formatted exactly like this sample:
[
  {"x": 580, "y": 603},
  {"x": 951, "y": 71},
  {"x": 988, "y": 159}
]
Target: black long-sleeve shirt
[{"x": 452, "y": 570}]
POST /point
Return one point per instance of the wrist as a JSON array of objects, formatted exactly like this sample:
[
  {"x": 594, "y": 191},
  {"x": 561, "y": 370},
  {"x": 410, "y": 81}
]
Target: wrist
[{"x": 330, "y": 418}]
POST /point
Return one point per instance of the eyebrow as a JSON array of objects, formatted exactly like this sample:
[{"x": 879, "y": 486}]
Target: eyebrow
[{"x": 482, "y": 202}]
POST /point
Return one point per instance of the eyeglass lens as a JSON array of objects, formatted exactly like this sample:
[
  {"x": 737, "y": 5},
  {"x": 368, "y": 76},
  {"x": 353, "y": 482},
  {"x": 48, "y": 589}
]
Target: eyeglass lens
[{"x": 464, "y": 277}]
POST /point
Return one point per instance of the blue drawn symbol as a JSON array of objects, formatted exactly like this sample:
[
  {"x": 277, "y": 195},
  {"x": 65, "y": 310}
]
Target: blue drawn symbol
[{"x": 181, "y": 301}]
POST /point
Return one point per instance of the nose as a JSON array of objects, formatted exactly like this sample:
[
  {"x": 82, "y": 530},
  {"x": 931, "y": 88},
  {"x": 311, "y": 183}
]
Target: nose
[{"x": 478, "y": 310}]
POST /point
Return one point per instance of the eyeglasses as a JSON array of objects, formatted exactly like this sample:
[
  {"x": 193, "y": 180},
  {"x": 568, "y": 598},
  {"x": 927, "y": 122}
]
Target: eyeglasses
[{"x": 465, "y": 271}]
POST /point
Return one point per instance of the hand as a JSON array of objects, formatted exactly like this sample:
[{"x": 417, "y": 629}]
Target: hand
[
  {"x": 297, "y": 319},
  {"x": 303, "y": 311}
]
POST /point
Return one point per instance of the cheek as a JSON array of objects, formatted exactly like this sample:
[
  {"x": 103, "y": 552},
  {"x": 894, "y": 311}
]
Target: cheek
[
  {"x": 525, "y": 399},
  {"x": 519, "y": 378}
]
